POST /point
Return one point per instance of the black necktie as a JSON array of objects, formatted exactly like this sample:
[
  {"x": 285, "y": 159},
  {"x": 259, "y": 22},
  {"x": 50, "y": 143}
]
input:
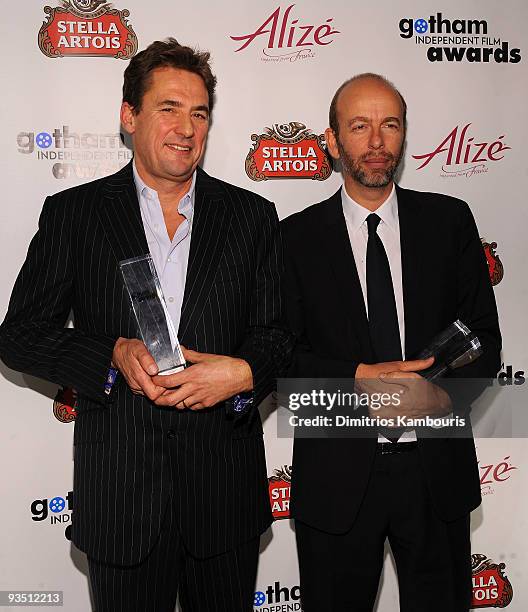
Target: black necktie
[
  {"x": 382, "y": 314},
  {"x": 383, "y": 318}
]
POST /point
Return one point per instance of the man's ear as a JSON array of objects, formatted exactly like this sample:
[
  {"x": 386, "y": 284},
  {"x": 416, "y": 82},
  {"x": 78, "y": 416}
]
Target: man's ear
[
  {"x": 128, "y": 118},
  {"x": 331, "y": 143}
]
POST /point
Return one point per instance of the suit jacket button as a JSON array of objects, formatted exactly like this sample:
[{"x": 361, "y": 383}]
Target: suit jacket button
[{"x": 171, "y": 434}]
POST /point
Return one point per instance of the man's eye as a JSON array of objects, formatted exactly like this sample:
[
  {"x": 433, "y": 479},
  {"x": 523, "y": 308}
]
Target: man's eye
[
  {"x": 167, "y": 110},
  {"x": 358, "y": 128},
  {"x": 200, "y": 116},
  {"x": 393, "y": 126}
]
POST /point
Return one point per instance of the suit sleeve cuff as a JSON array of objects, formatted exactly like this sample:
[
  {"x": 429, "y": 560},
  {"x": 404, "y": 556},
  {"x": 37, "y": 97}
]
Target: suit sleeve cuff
[{"x": 264, "y": 383}]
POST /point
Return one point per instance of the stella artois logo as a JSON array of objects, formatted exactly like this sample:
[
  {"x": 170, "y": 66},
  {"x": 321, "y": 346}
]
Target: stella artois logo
[
  {"x": 64, "y": 405},
  {"x": 495, "y": 267},
  {"x": 288, "y": 151},
  {"x": 89, "y": 28},
  {"x": 279, "y": 492},
  {"x": 491, "y": 588}
]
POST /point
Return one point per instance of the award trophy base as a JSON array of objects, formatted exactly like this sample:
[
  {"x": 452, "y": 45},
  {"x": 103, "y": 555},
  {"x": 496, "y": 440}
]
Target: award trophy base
[{"x": 171, "y": 371}]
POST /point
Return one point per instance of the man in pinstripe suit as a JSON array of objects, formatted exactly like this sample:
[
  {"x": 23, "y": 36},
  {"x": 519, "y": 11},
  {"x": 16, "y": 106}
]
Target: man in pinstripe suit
[{"x": 170, "y": 487}]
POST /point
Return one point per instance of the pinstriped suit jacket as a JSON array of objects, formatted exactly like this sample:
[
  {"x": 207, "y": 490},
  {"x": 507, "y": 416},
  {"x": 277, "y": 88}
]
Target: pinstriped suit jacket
[{"x": 131, "y": 457}]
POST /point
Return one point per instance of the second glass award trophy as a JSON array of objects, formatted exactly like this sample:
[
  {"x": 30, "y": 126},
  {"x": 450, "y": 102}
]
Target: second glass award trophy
[
  {"x": 453, "y": 348},
  {"x": 152, "y": 316}
]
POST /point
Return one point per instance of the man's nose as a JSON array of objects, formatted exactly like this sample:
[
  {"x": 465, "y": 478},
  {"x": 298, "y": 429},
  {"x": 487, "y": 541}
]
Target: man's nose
[
  {"x": 375, "y": 140},
  {"x": 184, "y": 126}
]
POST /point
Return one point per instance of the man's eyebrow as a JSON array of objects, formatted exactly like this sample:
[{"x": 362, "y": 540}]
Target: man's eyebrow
[
  {"x": 358, "y": 118},
  {"x": 396, "y": 119},
  {"x": 201, "y": 107},
  {"x": 174, "y": 103},
  {"x": 367, "y": 120},
  {"x": 178, "y": 104}
]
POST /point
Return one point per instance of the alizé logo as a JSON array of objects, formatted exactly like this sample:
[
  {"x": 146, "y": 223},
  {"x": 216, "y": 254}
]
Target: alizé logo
[
  {"x": 286, "y": 38},
  {"x": 462, "y": 155},
  {"x": 495, "y": 473}
]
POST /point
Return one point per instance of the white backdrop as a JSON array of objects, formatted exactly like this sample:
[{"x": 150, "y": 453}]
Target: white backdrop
[{"x": 73, "y": 103}]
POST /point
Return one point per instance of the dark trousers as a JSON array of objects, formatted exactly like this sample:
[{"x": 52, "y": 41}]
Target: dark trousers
[
  {"x": 340, "y": 573},
  {"x": 224, "y": 583}
]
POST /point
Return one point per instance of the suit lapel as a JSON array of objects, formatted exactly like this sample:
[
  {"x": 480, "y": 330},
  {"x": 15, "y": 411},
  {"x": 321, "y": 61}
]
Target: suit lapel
[
  {"x": 210, "y": 226},
  {"x": 413, "y": 253},
  {"x": 120, "y": 215},
  {"x": 341, "y": 262}
]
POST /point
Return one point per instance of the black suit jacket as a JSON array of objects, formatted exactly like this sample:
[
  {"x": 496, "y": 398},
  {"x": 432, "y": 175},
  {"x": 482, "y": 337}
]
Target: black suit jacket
[
  {"x": 445, "y": 278},
  {"x": 131, "y": 457}
]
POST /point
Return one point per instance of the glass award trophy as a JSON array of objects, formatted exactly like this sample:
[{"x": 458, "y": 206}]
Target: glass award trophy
[
  {"x": 453, "y": 348},
  {"x": 152, "y": 316}
]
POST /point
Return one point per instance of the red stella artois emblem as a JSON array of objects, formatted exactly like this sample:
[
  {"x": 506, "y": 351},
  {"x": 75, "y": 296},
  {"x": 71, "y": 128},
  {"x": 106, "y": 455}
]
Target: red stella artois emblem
[
  {"x": 288, "y": 151},
  {"x": 279, "y": 492},
  {"x": 491, "y": 588},
  {"x": 89, "y": 28},
  {"x": 495, "y": 267},
  {"x": 64, "y": 405}
]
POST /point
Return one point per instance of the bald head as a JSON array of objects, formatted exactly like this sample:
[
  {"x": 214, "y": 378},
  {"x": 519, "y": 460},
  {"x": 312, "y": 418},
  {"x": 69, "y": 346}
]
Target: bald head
[
  {"x": 367, "y": 136},
  {"x": 359, "y": 85}
]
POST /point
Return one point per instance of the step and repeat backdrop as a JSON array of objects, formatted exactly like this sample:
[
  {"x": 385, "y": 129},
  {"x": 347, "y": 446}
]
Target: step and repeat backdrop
[{"x": 462, "y": 70}]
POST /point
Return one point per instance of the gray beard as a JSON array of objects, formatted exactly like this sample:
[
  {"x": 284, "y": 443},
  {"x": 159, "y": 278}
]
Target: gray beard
[{"x": 379, "y": 178}]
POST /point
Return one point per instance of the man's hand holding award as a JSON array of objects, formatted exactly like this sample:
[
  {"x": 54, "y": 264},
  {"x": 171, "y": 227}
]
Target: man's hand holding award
[
  {"x": 157, "y": 366},
  {"x": 453, "y": 348}
]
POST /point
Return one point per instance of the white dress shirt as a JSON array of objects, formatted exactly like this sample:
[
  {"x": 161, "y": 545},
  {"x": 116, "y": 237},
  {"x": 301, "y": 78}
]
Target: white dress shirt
[
  {"x": 170, "y": 257},
  {"x": 389, "y": 233}
]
